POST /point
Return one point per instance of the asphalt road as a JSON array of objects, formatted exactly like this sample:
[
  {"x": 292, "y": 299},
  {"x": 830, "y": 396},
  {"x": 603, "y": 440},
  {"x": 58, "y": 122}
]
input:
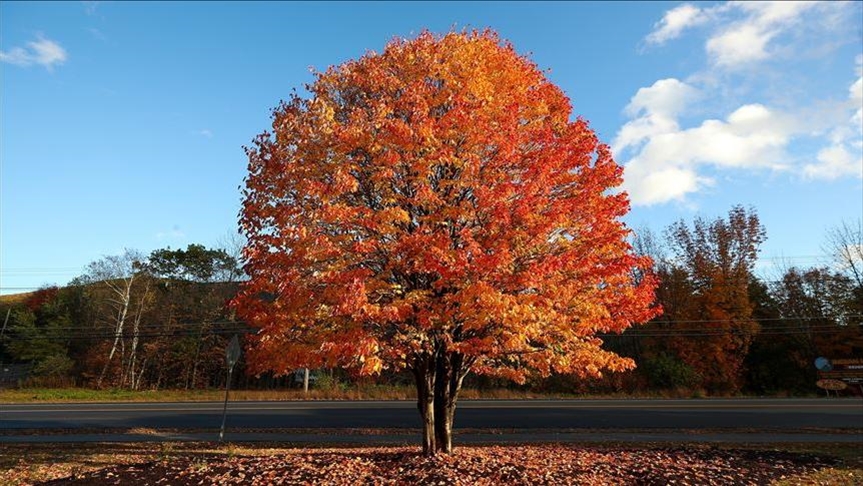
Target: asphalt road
[{"x": 776, "y": 415}]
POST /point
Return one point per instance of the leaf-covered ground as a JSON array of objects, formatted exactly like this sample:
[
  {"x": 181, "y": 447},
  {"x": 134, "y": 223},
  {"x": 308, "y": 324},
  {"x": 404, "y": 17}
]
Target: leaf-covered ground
[{"x": 494, "y": 465}]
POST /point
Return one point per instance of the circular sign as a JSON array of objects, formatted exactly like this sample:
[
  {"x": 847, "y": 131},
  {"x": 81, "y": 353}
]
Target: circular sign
[
  {"x": 835, "y": 385},
  {"x": 823, "y": 364}
]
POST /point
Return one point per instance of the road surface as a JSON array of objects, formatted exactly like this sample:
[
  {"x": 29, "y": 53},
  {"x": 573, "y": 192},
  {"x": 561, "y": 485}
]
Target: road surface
[{"x": 551, "y": 415}]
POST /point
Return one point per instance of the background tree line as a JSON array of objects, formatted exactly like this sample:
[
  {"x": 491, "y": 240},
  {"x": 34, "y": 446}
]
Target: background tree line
[
  {"x": 162, "y": 320},
  {"x": 132, "y": 321},
  {"x": 725, "y": 330}
]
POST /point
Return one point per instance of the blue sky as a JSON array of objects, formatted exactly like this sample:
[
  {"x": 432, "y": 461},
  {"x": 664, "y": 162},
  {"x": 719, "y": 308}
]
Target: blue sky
[{"x": 122, "y": 123}]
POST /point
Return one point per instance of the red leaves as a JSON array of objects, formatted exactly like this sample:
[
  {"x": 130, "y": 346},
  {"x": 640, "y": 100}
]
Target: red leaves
[
  {"x": 496, "y": 465},
  {"x": 437, "y": 194}
]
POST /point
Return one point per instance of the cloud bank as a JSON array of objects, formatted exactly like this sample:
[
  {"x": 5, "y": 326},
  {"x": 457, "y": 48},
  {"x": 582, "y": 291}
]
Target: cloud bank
[{"x": 670, "y": 154}]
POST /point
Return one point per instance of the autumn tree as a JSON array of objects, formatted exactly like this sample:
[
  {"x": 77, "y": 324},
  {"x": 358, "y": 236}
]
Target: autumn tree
[
  {"x": 713, "y": 264},
  {"x": 436, "y": 208}
]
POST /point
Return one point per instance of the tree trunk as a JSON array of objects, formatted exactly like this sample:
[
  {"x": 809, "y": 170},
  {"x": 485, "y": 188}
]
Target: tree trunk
[
  {"x": 197, "y": 356},
  {"x": 425, "y": 381},
  {"x": 133, "y": 353},
  {"x": 136, "y": 331},
  {"x": 305, "y": 381},
  {"x": 159, "y": 375},
  {"x": 124, "y": 294},
  {"x": 194, "y": 380},
  {"x": 137, "y": 384},
  {"x": 450, "y": 372},
  {"x": 443, "y": 404}
]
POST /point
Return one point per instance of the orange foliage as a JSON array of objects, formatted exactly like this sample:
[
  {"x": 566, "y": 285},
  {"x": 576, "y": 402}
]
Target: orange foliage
[
  {"x": 437, "y": 198},
  {"x": 711, "y": 289}
]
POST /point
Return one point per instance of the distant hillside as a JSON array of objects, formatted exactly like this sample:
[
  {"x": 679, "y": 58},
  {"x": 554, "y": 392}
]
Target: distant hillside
[
  {"x": 164, "y": 283},
  {"x": 13, "y": 299}
]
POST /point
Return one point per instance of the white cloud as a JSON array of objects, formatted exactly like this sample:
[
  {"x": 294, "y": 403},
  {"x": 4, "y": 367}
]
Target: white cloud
[
  {"x": 855, "y": 92},
  {"x": 751, "y": 137},
  {"x": 641, "y": 129},
  {"x": 661, "y": 185},
  {"x": 743, "y": 32},
  {"x": 668, "y": 155},
  {"x": 742, "y": 44},
  {"x": 205, "y": 133},
  {"x": 666, "y": 167},
  {"x": 667, "y": 163},
  {"x": 42, "y": 51},
  {"x": 655, "y": 109},
  {"x": 675, "y": 21},
  {"x": 844, "y": 156},
  {"x": 666, "y": 97},
  {"x": 746, "y": 41},
  {"x": 834, "y": 162},
  {"x": 775, "y": 12},
  {"x": 665, "y": 159}
]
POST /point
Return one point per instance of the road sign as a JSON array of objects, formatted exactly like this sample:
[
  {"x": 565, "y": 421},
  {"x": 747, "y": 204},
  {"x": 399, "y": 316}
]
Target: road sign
[
  {"x": 848, "y": 370},
  {"x": 828, "y": 384},
  {"x": 823, "y": 364},
  {"x": 232, "y": 352}
]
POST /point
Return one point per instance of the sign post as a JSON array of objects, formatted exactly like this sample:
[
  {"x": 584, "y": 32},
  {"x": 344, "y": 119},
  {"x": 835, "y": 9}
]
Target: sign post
[{"x": 232, "y": 354}]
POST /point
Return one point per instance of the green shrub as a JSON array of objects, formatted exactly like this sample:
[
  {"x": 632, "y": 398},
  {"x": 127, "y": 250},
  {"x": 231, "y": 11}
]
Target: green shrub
[
  {"x": 667, "y": 371},
  {"x": 54, "y": 366}
]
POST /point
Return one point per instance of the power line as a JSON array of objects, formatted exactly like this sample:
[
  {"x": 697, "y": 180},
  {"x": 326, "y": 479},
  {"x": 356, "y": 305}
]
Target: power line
[
  {"x": 156, "y": 325},
  {"x": 110, "y": 335},
  {"x": 765, "y": 319},
  {"x": 228, "y": 332},
  {"x": 23, "y": 270},
  {"x": 67, "y": 270},
  {"x": 20, "y": 288},
  {"x": 40, "y": 269},
  {"x": 95, "y": 334},
  {"x": 162, "y": 325},
  {"x": 796, "y": 257},
  {"x": 78, "y": 331},
  {"x": 768, "y": 332}
]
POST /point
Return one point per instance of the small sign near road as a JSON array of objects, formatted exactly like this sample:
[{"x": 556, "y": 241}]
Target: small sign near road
[
  {"x": 833, "y": 385},
  {"x": 232, "y": 352},
  {"x": 847, "y": 370}
]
